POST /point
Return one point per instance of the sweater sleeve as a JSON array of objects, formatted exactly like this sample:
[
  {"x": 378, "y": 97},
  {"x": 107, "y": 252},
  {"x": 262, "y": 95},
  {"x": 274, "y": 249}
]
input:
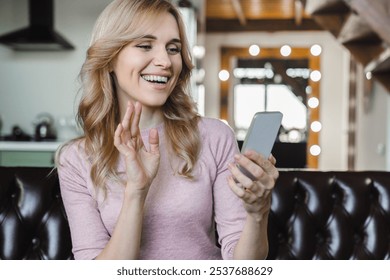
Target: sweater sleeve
[
  {"x": 229, "y": 211},
  {"x": 88, "y": 232}
]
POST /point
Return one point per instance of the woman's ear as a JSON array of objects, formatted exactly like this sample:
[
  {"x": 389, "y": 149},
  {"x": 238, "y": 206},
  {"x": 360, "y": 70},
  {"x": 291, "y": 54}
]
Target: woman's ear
[
  {"x": 111, "y": 66},
  {"x": 112, "y": 75},
  {"x": 110, "y": 69}
]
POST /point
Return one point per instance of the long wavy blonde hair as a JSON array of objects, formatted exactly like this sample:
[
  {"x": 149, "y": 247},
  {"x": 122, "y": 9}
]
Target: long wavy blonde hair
[{"x": 98, "y": 112}]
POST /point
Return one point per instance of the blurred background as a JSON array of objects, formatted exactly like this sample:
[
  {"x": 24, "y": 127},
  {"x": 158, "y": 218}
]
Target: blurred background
[{"x": 323, "y": 63}]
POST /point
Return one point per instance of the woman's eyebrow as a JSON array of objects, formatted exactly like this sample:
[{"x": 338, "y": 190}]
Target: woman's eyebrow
[
  {"x": 176, "y": 41},
  {"x": 152, "y": 37}
]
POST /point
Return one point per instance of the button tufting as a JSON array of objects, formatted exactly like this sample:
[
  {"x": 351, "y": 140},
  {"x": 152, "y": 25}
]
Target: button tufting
[
  {"x": 27, "y": 230},
  {"x": 320, "y": 238},
  {"x": 35, "y": 242},
  {"x": 358, "y": 238},
  {"x": 298, "y": 196}
]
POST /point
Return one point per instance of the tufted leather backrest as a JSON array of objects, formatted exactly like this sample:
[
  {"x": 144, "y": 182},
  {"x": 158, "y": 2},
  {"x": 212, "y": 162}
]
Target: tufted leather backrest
[
  {"x": 314, "y": 215},
  {"x": 330, "y": 215},
  {"x": 33, "y": 224}
]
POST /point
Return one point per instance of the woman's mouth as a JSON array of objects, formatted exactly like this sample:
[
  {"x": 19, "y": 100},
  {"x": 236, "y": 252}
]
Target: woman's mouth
[{"x": 155, "y": 79}]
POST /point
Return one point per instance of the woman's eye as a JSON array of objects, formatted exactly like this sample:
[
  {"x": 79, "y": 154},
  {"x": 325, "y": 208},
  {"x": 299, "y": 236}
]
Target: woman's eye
[
  {"x": 146, "y": 47},
  {"x": 173, "y": 50}
]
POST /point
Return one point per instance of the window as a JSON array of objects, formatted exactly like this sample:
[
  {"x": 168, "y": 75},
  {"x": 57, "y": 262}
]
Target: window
[{"x": 249, "y": 99}]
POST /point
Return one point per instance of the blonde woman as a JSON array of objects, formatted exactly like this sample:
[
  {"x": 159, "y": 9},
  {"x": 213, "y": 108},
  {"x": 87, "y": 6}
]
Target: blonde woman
[{"x": 150, "y": 178}]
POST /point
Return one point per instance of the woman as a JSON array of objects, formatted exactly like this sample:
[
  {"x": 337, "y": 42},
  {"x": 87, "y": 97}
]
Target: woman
[{"x": 150, "y": 178}]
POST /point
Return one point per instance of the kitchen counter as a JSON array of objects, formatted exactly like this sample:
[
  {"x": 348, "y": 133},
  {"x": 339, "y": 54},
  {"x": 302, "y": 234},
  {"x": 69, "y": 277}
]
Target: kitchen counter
[
  {"x": 28, "y": 153},
  {"x": 30, "y": 146}
]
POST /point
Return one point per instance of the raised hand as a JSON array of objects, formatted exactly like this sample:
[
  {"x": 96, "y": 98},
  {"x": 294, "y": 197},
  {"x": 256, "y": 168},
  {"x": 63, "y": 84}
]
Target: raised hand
[{"x": 141, "y": 164}]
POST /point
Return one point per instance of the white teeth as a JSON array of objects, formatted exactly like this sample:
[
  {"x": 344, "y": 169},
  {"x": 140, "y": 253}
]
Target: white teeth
[{"x": 152, "y": 78}]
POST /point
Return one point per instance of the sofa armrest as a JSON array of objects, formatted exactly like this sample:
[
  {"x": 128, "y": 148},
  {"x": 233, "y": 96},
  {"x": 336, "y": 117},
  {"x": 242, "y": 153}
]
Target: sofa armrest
[{"x": 33, "y": 222}]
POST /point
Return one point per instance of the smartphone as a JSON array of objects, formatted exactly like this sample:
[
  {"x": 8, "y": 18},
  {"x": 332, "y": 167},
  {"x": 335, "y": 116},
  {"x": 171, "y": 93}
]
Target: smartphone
[{"x": 262, "y": 134}]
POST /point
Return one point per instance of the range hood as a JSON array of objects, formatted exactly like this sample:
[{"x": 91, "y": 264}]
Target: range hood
[{"x": 40, "y": 34}]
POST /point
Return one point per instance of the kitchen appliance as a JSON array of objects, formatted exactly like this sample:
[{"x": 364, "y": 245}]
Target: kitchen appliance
[
  {"x": 40, "y": 34},
  {"x": 44, "y": 128},
  {"x": 17, "y": 134}
]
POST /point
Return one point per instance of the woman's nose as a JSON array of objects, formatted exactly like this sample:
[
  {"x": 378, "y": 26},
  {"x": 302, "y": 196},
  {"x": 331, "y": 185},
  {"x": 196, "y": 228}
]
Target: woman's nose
[{"x": 162, "y": 59}]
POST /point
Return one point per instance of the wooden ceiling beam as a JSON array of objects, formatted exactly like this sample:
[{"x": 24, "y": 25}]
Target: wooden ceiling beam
[
  {"x": 376, "y": 14},
  {"x": 298, "y": 11},
  {"x": 356, "y": 29},
  {"x": 326, "y": 6},
  {"x": 215, "y": 25},
  {"x": 238, "y": 10}
]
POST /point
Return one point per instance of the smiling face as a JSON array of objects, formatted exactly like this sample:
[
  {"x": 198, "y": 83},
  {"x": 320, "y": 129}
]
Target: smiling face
[{"x": 147, "y": 69}]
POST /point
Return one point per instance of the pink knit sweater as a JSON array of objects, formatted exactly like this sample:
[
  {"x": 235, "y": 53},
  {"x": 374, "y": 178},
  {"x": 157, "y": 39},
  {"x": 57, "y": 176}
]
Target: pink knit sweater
[{"x": 180, "y": 214}]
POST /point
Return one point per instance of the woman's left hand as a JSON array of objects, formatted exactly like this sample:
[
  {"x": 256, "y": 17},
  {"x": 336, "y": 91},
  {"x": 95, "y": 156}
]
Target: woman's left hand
[{"x": 256, "y": 192}]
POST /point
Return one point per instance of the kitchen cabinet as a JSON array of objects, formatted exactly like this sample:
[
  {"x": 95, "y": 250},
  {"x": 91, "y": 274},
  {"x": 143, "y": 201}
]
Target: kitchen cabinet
[
  {"x": 17, "y": 158},
  {"x": 38, "y": 154}
]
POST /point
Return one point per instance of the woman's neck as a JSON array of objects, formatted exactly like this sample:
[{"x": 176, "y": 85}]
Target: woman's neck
[{"x": 150, "y": 117}]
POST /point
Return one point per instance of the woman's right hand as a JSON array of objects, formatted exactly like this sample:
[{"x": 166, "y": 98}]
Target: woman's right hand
[{"x": 141, "y": 164}]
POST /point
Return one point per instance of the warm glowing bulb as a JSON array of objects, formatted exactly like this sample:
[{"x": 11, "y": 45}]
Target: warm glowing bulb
[
  {"x": 315, "y": 150},
  {"x": 313, "y": 102},
  {"x": 315, "y": 50},
  {"x": 315, "y": 76},
  {"x": 285, "y": 50},
  {"x": 198, "y": 51},
  {"x": 223, "y": 75},
  {"x": 254, "y": 50},
  {"x": 316, "y": 126}
]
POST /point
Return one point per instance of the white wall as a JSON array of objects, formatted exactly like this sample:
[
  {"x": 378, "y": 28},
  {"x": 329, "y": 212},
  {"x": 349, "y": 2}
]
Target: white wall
[
  {"x": 35, "y": 82},
  {"x": 334, "y": 63},
  {"x": 373, "y": 129}
]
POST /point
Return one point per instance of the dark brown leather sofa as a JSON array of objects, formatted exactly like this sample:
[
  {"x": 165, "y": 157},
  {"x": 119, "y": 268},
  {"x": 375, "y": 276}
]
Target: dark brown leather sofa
[
  {"x": 315, "y": 215},
  {"x": 33, "y": 222}
]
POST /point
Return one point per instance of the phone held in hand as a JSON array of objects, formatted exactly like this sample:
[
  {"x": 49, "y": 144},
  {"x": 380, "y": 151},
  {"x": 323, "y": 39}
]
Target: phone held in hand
[{"x": 262, "y": 134}]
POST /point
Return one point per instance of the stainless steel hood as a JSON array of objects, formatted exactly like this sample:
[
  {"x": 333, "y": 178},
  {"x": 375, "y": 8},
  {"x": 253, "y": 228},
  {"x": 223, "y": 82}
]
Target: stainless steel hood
[{"x": 40, "y": 34}]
